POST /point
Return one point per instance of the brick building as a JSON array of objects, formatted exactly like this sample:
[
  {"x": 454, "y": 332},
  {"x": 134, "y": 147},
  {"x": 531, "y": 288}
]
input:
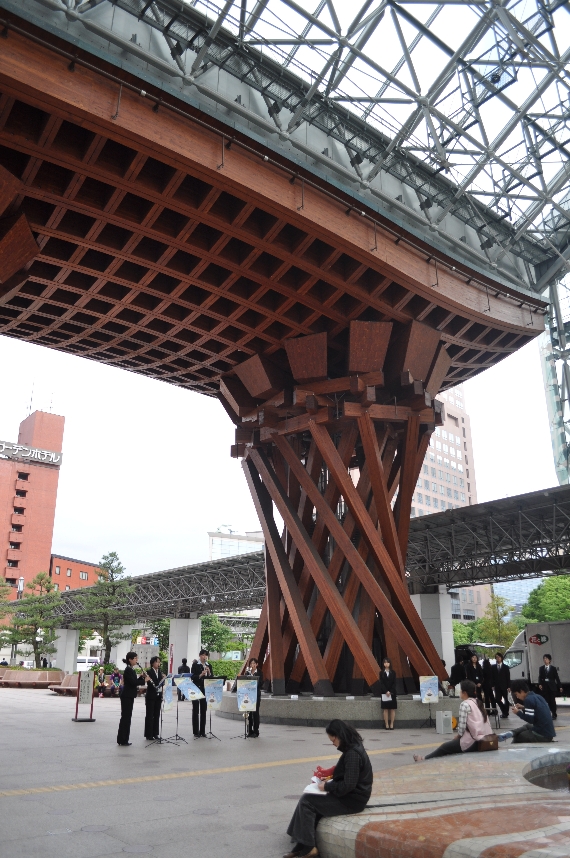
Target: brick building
[
  {"x": 69, "y": 574},
  {"x": 29, "y": 473}
]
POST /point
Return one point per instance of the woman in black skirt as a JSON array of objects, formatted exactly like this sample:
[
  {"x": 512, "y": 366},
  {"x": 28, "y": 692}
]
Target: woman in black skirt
[
  {"x": 130, "y": 687},
  {"x": 474, "y": 672},
  {"x": 254, "y": 670},
  {"x": 347, "y": 792},
  {"x": 389, "y": 702}
]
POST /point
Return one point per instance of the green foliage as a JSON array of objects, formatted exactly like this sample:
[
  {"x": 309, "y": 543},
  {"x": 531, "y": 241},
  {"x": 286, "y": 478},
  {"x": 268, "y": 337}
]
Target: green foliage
[
  {"x": 462, "y": 633},
  {"x": 102, "y": 606},
  {"x": 5, "y": 602},
  {"x": 161, "y": 628},
  {"x": 549, "y": 602},
  {"x": 216, "y": 637},
  {"x": 33, "y": 618},
  {"x": 109, "y": 668},
  {"x": 225, "y": 667},
  {"x": 494, "y": 627}
]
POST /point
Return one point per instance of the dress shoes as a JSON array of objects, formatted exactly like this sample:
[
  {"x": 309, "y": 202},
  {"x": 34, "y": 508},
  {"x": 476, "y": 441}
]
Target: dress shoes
[
  {"x": 301, "y": 853},
  {"x": 124, "y": 744},
  {"x": 203, "y": 736}
]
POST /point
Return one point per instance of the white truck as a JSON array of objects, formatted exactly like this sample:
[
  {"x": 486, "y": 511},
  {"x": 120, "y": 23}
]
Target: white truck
[{"x": 524, "y": 656}]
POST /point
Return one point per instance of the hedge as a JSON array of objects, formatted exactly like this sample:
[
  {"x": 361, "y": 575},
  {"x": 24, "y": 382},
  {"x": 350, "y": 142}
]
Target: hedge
[{"x": 226, "y": 667}]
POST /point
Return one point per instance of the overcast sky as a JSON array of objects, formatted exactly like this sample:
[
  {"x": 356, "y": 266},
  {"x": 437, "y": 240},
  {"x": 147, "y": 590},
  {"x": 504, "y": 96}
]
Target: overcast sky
[{"x": 147, "y": 472}]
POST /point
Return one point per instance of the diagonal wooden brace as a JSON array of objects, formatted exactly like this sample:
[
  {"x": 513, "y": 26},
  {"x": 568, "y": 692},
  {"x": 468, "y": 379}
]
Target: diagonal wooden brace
[
  {"x": 319, "y": 572},
  {"x": 401, "y": 597},
  {"x": 357, "y": 564},
  {"x": 263, "y": 505}
]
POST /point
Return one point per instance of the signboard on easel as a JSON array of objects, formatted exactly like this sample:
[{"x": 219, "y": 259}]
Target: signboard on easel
[{"x": 85, "y": 694}]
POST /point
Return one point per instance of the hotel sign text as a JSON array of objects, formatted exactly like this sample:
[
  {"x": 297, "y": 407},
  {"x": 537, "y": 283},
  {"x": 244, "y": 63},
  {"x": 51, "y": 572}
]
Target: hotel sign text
[{"x": 28, "y": 454}]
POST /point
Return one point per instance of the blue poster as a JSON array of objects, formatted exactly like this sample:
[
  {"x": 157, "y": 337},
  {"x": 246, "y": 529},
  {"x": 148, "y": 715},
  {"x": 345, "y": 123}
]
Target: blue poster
[
  {"x": 429, "y": 689},
  {"x": 167, "y": 694},
  {"x": 247, "y": 694},
  {"x": 214, "y": 691},
  {"x": 188, "y": 689}
]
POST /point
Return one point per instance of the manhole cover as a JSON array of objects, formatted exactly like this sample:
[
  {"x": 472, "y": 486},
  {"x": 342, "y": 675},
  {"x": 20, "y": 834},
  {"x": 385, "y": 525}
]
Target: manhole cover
[
  {"x": 255, "y": 827},
  {"x": 297, "y": 797},
  {"x": 139, "y": 849},
  {"x": 94, "y": 828},
  {"x": 206, "y": 811}
]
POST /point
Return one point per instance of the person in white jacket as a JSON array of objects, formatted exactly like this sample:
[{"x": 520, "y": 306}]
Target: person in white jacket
[{"x": 472, "y": 725}]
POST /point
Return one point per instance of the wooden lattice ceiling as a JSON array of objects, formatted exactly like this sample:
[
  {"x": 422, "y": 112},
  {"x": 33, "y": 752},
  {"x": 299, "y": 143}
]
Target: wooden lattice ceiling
[{"x": 176, "y": 272}]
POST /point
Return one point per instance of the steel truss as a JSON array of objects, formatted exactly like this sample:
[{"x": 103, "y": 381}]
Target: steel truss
[
  {"x": 471, "y": 111},
  {"x": 520, "y": 537},
  {"x": 231, "y": 584}
]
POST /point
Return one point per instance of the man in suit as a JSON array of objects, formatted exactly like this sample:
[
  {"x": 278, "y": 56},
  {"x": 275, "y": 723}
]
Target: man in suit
[
  {"x": 549, "y": 683},
  {"x": 201, "y": 670},
  {"x": 153, "y": 700},
  {"x": 501, "y": 682}
]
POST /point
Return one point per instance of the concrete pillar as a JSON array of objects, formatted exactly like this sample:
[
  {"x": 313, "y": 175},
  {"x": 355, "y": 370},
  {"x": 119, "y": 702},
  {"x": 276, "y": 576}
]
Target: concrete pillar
[
  {"x": 184, "y": 641},
  {"x": 120, "y": 650},
  {"x": 67, "y": 648},
  {"x": 435, "y": 611}
]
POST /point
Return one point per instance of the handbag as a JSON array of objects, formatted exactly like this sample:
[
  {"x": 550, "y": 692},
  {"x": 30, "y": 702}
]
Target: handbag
[{"x": 489, "y": 743}]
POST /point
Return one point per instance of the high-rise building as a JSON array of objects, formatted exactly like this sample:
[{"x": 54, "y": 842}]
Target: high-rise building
[
  {"x": 229, "y": 543},
  {"x": 29, "y": 473},
  {"x": 447, "y": 481}
]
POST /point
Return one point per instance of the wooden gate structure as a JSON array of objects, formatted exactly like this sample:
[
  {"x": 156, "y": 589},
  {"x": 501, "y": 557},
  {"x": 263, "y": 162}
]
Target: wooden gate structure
[{"x": 143, "y": 233}]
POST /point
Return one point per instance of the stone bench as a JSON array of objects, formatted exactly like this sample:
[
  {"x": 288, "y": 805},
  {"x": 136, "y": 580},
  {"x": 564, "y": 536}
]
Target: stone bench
[
  {"x": 67, "y": 686},
  {"x": 31, "y": 678}
]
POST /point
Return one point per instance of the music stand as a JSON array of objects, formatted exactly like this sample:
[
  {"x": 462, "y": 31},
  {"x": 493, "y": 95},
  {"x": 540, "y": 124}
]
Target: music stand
[
  {"x": 429, "y": 722},
  {"x": 176, "y": 738},
  {"x": 160, "y": 740},
  {"x": 245, "y": 736}
]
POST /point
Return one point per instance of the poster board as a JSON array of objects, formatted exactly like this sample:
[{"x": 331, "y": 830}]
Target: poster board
[
  {"x": 85, "y": 691},
  {"x": 247, "y": 691},
  {"x": 214, "y": 691},
  {"x": 167, "y": 694},
  {"x": 429, "y": 689},
  {"x": 188, "y": 689}
]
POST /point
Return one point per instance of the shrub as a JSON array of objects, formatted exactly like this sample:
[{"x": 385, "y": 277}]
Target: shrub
[{"x": 225, "y": 667}]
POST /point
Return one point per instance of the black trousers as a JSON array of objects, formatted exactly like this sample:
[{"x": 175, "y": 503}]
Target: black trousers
[
  {"x": 502, "y": 698},
  {"x": 253, "y": 721},
  {"x": 311, "y": 808},
  {"x": 489, "y": 697},
  {"x": 550, "y": 697},
  {"x": 152, "y": 717},
  {"x": 124, "y": 732},
  {"x": 451, "y": 747},
  {"x": 199, "y": 716}
]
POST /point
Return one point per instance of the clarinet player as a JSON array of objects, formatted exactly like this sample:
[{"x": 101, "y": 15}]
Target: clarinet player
[
  {"x": 130, "y": 687},
  {"x": 201, "y": 670},
  {"x": 153, "y": 700}
]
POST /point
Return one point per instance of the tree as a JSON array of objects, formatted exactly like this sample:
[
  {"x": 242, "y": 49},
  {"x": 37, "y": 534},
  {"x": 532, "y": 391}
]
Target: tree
[
  {"x": 103, "y": 606},
  {"x": 494, "y": 627},
  {"x": 215, "y": 635},
  {"x": 549, "y": 602},
  {"x": 34, "y": 618},
  {"x": 462, "y": 633}
]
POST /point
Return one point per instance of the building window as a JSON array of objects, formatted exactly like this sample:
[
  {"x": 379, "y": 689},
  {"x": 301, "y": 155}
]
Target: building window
[
  {"x": 454, "y": 480},
  {"x": 440, "y": 474},
  {"x": 67, "y": 587},
  {"x": 478, "y": 597},
  {"x": 463, "y": 497},
  {"x": 455, "y": 495},
  {"x": 461, "y": 483},
  {"x": 83, "y": 576},
  {"x": 446, "y": 448},
  {"x": 426, "y": 469},
  {"x": 438, "y": 431},
  {"x": 446, "y": 462},
  {"x": 463, "y": 596},
  {"x": 19, "y": 510},
  {"x": 13, "y": 564},
  {"x": 460, "y": 468},
  {"x": 57, "y": 570},
  {"x": 448, "y": 478},
  {"x": 444, "y": 434},
  {"x": 453, "y": 466},
  {"x": 449, "y": 505},
  {"x": 428, "y": 500},
  {"x": 435, "y": 503},
  {"x": 433, "y": 472},
  {"x": 14, "y": 546},
  {"x": 438, "y": 445},
  {"x": 426, "y": 484},
  {"x": 68, "y": 573},
  {"x": 468, "y": 615},
  {"x": 432, "y": 457},
  {"x": 449, "y": 493},
  {"x": 441, "y": 490},
  {"x": 20, "y": 493},
  {"x": 22, "y": 476},
  {"x": 434, "y": 487},
  {"x": 56, "y": 586},
  {"x": 413, "y": 512},
  {"x": 470, "y": 595},
  {"x": 439, "y": 460},
  {"x": 420, "y": 497}
]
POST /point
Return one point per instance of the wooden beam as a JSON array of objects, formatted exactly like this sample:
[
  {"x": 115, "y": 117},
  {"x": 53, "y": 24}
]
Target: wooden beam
[
  {"x": 367, "y": 346},
  {"x": 392, "y": 413},
  {"x": 287, "y": 583},
  {"x": 408, "y": 479},
  {"x": 380, "y": 491},
  {"x": 308, "y": 357},
  {"x": 357, "y": 565},
  {"x": 274, "y": 627},
  {"x": 18, "y": 247},
  {"x": 327, "y": 587},
  {"x": 400, "y": 595}
]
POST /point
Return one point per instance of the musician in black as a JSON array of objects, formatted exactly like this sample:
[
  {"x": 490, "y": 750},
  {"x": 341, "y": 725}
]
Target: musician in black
[
  {"x": 200, "y": 671},
  {"x": 131, "y": 681},
  {"x": 254, "y": 671},
  {"x": 153, "y": 700}
]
